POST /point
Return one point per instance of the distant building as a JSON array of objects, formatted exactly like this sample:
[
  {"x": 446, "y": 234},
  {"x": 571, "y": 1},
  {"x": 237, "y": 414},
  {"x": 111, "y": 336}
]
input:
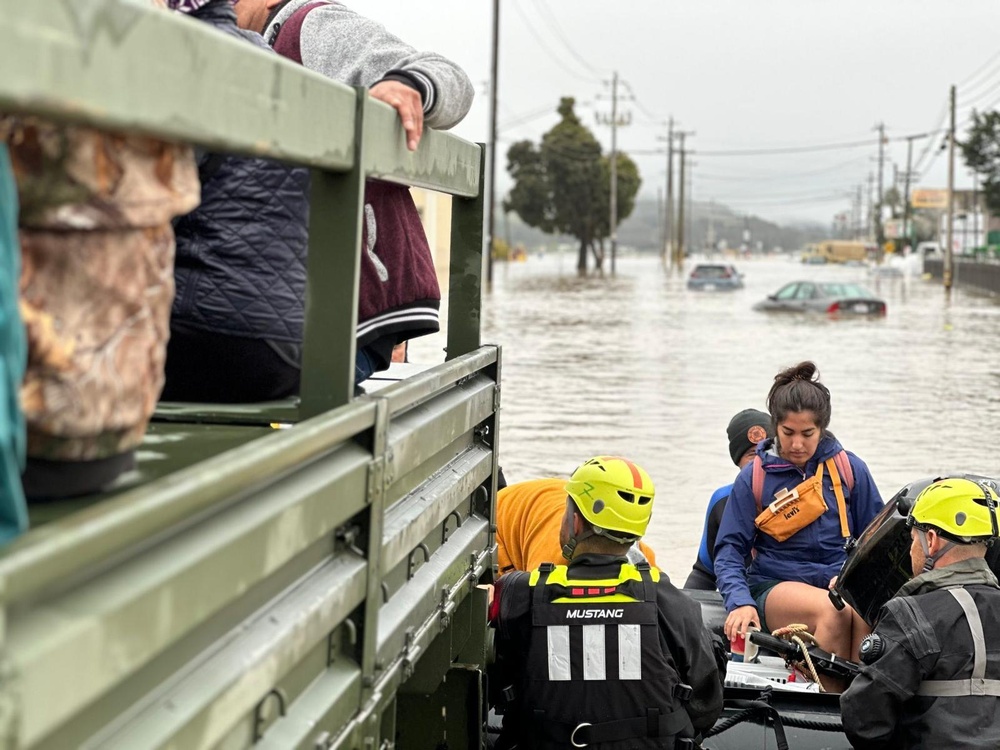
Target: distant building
[{"x": 435, "y": 213}]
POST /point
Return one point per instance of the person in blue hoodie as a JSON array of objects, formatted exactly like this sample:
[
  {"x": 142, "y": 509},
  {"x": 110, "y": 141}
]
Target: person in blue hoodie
[
  {"x": 745, "y": 430},
  {"x": 793, "y": 508}
]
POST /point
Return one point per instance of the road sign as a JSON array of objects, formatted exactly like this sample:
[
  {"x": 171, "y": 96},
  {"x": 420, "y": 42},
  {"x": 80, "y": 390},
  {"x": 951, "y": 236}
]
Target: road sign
[{"x": 929, "y": 198}]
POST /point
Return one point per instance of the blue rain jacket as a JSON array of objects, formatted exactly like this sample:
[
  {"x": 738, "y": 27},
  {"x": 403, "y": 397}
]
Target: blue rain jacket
[
  {"x": 815, "y": 554},
  {"x": 13, "y": 357}
]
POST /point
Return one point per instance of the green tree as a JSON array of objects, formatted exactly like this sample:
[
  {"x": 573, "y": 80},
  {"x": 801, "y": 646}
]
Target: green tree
[
  {"x": 893, "y": 200},
  {"x": 562, "y": 186},
  {"x": 981, "y": 151}
]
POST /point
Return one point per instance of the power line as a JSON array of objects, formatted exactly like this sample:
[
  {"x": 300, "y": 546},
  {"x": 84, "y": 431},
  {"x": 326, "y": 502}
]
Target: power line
[
  {"x": 653, "y": 119},
  {"x": 967, "y": 81},
  {"x": 796, "y": 149},
  {"x": 930, "y": 142},
  {"x": 550, "y": 20},
  {"x": 773, "y": 176},
  {"x": 521, "y": 119},
  {"x": 544, "y": 44}
]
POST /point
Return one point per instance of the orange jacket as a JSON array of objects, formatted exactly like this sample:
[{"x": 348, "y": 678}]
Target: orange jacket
[{"x": 529, "y": 515}]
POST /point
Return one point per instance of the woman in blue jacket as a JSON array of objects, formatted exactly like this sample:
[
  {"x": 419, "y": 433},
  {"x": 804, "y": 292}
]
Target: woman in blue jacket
[{"x": 798, "y": 549}]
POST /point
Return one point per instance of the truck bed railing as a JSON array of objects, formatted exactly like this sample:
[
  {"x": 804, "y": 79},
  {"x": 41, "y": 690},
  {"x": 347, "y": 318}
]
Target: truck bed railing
[{"x": 276, "y": 588}]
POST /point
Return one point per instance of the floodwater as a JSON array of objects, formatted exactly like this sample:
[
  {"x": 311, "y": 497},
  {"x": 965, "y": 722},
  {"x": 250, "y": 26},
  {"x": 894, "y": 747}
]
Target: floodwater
[{"x": 636, "y": 365}]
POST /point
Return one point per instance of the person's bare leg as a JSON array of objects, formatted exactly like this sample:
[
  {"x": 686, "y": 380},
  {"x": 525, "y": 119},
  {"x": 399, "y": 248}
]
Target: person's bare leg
[
  {"x": 792, "y": 602},
  {"x": 859, "y": 629}
]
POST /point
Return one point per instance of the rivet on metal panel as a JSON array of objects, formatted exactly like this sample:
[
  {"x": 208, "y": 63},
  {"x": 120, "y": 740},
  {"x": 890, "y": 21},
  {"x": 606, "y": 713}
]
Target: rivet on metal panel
[
  {"x": 496, "y": 397},
  {"x": 458, "y": 524},
  {"x": 260, "y": 718},
  {"x": 411, "y": 566},
  {"x": 376, "y": 479},
  {"x": 331, "y": 648},
  {"x": 390, "y": 471}
]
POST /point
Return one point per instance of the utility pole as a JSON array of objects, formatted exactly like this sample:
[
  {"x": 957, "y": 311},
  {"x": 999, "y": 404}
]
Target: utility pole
[
  {"x": 613, "y": 188},
  {"x": 879, "y": 233},
  {"x": 614, "y": 169},
  {"x": 679, "y": 249},
  {"x": 690, "y": 202},
  {"x": 949, "y": 260},
  {"x": 668, "y": 218},
  {"x": 659, "y": 217},
  {"x": 859, "y": 215},
  {"x": 869, "y": 225},
  {"x": 491, "y": 208}
]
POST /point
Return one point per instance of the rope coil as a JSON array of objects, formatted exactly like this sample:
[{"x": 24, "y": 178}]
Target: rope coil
[{"x": 798, "y": 634}]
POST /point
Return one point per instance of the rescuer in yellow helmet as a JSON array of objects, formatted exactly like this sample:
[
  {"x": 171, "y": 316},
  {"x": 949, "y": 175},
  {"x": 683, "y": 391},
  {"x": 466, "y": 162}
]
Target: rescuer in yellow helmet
[
  {"x": 603, "y": 652},
  {"x": 932, "y": 676}
]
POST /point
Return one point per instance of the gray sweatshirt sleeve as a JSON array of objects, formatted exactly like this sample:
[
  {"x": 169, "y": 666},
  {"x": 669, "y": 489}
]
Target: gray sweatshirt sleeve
[{"x": 355, "y": 50}]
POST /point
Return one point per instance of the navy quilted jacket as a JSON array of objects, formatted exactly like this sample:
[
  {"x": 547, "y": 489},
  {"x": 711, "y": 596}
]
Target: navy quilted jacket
[{"x": 241, "y": 263}]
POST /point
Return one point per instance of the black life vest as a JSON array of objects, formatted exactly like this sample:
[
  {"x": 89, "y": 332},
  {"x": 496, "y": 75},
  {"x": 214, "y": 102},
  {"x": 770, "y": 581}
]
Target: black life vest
[{"x": 596, "y": 675}]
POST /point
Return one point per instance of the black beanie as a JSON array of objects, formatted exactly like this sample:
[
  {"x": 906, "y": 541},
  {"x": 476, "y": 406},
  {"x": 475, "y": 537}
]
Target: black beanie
[{"x": 745, "y": 430}]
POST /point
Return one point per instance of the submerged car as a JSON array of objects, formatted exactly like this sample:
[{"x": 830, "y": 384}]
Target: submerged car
[
  {"x": 832, "y": 297},
  {"x": 712, "y": 276}
]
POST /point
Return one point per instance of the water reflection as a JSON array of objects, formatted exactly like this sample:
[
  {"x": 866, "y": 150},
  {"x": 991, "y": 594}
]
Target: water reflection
[{"x": 639, "y": 365}]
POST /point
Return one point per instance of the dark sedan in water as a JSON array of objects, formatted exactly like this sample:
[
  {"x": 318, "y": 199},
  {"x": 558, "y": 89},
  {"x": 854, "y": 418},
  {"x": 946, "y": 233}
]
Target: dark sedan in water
[
  {"x": 835, "y": 298},
  {"x": 707, "y": 277}
]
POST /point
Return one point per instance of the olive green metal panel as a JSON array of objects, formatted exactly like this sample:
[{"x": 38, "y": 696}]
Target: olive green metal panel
[
  {"x": 234, "y": 685},
  {"x": 413, "y": 616},
  {"x": 466, "y": 273},
  {"x": 165, "y": 449},
  {"x": 434, "y": 507},
  {"x": 122, "y": 66},
  {"x": 335, "y": 215},
  {"x": 104, "y": 630},
  {"x": 442, "y": 163},
  {"x": 66, "y": 549},
  {"x": 281, "y": 412},
  {"x": 421, "y": 433}
]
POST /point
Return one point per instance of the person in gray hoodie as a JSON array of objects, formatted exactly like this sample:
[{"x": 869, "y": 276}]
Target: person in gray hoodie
[
  {"x": 426, "y": 88},
  {"x": 250, "y": 235}
]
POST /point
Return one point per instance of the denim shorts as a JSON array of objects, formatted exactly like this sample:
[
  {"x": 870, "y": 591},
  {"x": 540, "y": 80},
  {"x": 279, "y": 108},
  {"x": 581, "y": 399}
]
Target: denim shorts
[{"x": 759, "y": 592}]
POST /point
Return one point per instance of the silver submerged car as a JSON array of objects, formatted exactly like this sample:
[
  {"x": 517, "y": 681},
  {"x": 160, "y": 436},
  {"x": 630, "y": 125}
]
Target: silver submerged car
[{"x": 834, "y": 298}]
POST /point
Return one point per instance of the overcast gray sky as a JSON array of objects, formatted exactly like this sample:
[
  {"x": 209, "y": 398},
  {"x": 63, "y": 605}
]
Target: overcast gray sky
[{"x": 742, "y": 74}]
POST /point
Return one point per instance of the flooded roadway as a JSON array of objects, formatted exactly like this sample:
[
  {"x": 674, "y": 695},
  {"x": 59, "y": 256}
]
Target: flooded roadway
[{"x": 638, "y": 365}]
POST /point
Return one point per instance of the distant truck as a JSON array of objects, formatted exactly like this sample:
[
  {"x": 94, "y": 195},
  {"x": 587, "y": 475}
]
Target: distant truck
[{"x": 838, "y": 251}]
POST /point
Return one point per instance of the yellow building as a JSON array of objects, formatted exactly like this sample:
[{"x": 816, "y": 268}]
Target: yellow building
[{"x": 435, "y": 213}]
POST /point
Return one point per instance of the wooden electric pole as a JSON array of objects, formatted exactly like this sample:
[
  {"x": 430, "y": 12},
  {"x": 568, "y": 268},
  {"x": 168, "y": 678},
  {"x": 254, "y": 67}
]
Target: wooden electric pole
[
  {"x": 949, "y": 259},
  {"x": 668, "y": 209},
  {"x": 491, "y": 206},
  {"x": 879, "y": 232}
]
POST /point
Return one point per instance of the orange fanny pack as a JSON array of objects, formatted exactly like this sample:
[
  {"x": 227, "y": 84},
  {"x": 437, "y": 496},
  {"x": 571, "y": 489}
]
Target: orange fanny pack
[{"x": 793, "y": 510}]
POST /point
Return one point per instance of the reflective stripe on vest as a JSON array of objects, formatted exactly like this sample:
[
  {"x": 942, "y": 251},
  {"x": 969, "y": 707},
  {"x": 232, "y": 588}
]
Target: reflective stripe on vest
[
  {"x": 608, "y": 622},
  {"x": 593, "y": 652},
  {"x": 977, "y": 684}
]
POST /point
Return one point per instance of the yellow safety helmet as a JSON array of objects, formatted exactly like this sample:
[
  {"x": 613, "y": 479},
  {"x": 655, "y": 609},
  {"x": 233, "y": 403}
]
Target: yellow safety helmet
[
  {"x": 615, "y": 495},
  {"x": 961, "y": 509}
]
